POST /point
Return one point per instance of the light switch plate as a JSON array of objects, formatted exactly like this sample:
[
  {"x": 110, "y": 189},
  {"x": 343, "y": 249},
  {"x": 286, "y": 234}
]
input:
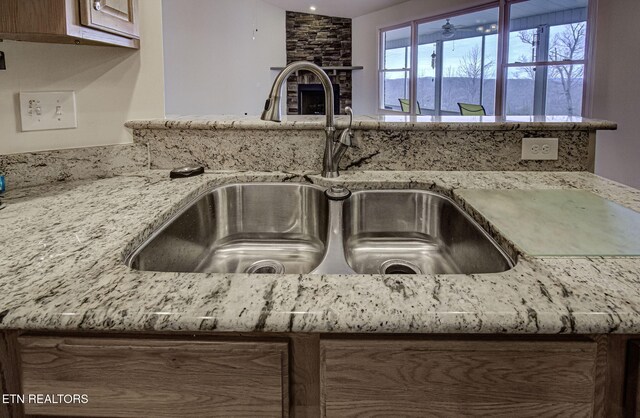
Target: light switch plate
[
  {"x": 40, "y": 111},
  {"x": 540, "y": 148}
]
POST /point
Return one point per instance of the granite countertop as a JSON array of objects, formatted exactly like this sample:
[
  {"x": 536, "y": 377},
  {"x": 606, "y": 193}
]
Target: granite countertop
[
  {"x": 61, "y": 268},
  {"x": 382, "y": 122}
]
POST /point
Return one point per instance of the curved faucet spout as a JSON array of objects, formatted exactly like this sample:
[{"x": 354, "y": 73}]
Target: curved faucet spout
[
  {"x": 272, "y": 106},
  {"x": 332, "y": 151}
]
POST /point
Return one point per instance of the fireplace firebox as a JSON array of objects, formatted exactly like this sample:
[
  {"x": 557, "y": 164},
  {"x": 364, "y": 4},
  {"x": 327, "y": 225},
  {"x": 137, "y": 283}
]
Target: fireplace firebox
[{"x": 311, "y": 99}]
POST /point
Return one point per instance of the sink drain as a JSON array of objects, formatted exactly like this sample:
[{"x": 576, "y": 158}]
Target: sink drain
[
  {"x": 399, "y": 267},
  {"x": 266, "y": 267}
]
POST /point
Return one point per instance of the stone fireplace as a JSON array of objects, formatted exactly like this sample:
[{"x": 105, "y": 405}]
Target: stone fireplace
[
  {"x": 311, "y": 99},
  {"x": 325, "y": 41}
]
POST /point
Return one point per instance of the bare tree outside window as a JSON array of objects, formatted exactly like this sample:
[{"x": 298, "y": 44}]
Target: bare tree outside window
[
  {"x": 568, "y": 45},
  {"x": 528, "y": 37},
  {"x": 555, "y": 50},
  {"x": 470, "y": 70}
]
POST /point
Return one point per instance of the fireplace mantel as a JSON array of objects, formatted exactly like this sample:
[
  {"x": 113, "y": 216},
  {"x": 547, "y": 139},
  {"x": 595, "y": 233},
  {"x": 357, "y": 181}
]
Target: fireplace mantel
[{"x": 335, "y": 68}]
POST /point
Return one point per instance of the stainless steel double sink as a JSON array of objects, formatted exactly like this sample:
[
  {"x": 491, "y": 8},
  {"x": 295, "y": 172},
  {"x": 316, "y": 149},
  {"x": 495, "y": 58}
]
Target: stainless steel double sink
[{"x": 288, "y": 228}]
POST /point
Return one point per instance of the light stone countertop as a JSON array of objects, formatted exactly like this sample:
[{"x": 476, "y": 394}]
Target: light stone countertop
[
  {"x": 381, "y": 122},
  {"x": 61, "y": 268}
]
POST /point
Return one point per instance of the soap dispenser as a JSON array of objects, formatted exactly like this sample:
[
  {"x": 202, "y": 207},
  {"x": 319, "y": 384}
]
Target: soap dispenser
[{"x": 2, "y": 187}]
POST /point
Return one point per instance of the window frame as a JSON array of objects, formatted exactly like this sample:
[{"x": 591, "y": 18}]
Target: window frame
[
  {"x": 502, "y": 61},
  {"x": 381, "y": 66},
  {"x": 542, "y": 51},
  {"x": 439, "y": 83}
]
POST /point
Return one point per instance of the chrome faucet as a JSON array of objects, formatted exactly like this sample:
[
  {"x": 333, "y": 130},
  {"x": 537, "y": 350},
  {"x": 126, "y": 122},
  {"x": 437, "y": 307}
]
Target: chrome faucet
[{"x": 334, "y": 149}]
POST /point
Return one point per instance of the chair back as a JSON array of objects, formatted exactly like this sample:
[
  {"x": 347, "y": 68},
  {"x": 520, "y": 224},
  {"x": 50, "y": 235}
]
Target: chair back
[
  {"x": 468, "y": 109},
  {"x": 406, "y": 106}
]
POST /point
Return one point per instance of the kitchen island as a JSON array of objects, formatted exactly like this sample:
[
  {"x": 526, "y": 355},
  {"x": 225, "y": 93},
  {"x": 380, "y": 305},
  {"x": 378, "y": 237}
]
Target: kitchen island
[{"x": 63, "y": 279}]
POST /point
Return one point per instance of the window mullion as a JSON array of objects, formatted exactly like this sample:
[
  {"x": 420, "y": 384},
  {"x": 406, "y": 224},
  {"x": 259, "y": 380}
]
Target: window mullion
[
  {"x": 438, "y": 92},
  {"x": 413, "y": 72},
  {"x": 542, "y": 54},
  {"x": 502, "y": 58},
  {"x": 407, "y": 59},
  {"x": 484, "y": 38}
]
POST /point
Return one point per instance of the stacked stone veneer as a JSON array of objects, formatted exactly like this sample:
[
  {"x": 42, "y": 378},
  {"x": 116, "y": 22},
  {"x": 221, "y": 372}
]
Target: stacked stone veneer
[{"x": 325, "y": 41}]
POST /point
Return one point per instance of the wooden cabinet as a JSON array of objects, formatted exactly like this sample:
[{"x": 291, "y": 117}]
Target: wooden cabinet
[
  {"x": 116, "y": 16},
  {"x": 632, "y": 395},
  {"x": 450, "y": 378},
  {"x": 82, "y": 22},
  {"x": 160, "y": 378},
  {"x": 319, "y": 375},
  {"x": 9, "y": 374}
]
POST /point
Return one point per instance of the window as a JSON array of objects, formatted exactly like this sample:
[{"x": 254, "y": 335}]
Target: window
[
  {"x": 456, "y": 61},
  {"x": 395, "y": 67},
  {"x": 461, "y": 73},
  {"x": 546, "y": 57}
]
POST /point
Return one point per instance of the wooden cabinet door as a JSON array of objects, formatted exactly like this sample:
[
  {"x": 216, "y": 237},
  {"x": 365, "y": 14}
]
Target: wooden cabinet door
[
  {"x": 156, "y": 378},
  {"x": 115, "y": 16},
  {"x": 632, "y": 386},
  {"x": 457, "y": 378}
]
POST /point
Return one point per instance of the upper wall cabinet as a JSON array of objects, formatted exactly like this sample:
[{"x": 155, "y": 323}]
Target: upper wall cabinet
[
  {"x": 115, "y": 16},
  {"x": 82, "y": 22}
]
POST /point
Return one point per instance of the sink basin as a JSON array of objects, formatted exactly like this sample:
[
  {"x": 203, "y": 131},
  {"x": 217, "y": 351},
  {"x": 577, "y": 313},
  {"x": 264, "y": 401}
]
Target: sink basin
[
  {"x": 277, "y": 228},
  {"x": 414, "y": 232},
  {"x": 252, "y": 228}
]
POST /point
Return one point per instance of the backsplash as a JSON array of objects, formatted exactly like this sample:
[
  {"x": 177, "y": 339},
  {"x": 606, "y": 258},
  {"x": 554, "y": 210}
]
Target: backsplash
[
  {"x": 302, "y": 149},
  {"x": 33, "y": 169},
  {"x": 246, "y": 143}
]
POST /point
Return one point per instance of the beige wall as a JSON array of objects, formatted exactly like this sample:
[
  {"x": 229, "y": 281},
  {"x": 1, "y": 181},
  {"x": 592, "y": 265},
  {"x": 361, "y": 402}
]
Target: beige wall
[
  {"x": 112, "y": 85},
  {"x": 617, "y": 89},
  {"x": 230, "y": 73}
]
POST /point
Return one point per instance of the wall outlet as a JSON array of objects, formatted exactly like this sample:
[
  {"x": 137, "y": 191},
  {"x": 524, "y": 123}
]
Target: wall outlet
[
  {"x": 540, "y": 148},
  {"x": 40, "y": 111}
]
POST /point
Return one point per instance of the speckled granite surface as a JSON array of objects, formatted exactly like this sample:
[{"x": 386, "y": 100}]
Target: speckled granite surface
[
  {"x": 380, "y": 122},
  {"x": 38, "y": 168},
  {"x": 293, "y": 149},
  {"x": 61, "y": 269}
]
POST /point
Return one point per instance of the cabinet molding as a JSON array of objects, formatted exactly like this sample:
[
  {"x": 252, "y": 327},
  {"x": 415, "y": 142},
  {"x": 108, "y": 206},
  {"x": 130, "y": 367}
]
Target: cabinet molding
[
  {"x": 457, "y": 378},
  {"x": 124, "y": 377}
]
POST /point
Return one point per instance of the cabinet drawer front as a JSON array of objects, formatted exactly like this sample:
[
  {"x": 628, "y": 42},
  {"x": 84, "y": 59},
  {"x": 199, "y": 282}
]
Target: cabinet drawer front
[
  {"x": 115, "y": 16},
  {"x": 457, "y": 378},
  {"x": 126, "y": 378}
]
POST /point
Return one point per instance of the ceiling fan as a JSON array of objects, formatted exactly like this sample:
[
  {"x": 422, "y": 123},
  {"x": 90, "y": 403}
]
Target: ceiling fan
[{"x": 448, "y": 30}]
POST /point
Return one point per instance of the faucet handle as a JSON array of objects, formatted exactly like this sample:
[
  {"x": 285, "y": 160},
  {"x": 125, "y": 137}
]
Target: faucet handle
[
  {"x": 349, "y": 112},
  {"x": 347, "y": 136}
]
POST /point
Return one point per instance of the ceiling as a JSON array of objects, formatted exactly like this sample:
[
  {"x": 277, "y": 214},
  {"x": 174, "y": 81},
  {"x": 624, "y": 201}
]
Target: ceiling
[
  {"x": 539, "y": 7},
  {"x": 470, "y": 20},
  {"x": 341, "y": 8},
  {"x": 483, "y": 18}
]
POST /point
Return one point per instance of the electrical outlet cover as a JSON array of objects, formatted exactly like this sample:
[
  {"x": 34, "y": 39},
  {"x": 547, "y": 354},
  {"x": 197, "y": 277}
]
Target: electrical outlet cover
[
  {"x": 540, "y": 149},
  {"x": 41, "y": 111}
]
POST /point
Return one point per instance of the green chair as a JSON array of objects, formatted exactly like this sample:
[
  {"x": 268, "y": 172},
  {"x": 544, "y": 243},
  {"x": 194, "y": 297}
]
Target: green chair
[
  {"x": 468, "y": 109},
  {"x": 406, "y": 106}
]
